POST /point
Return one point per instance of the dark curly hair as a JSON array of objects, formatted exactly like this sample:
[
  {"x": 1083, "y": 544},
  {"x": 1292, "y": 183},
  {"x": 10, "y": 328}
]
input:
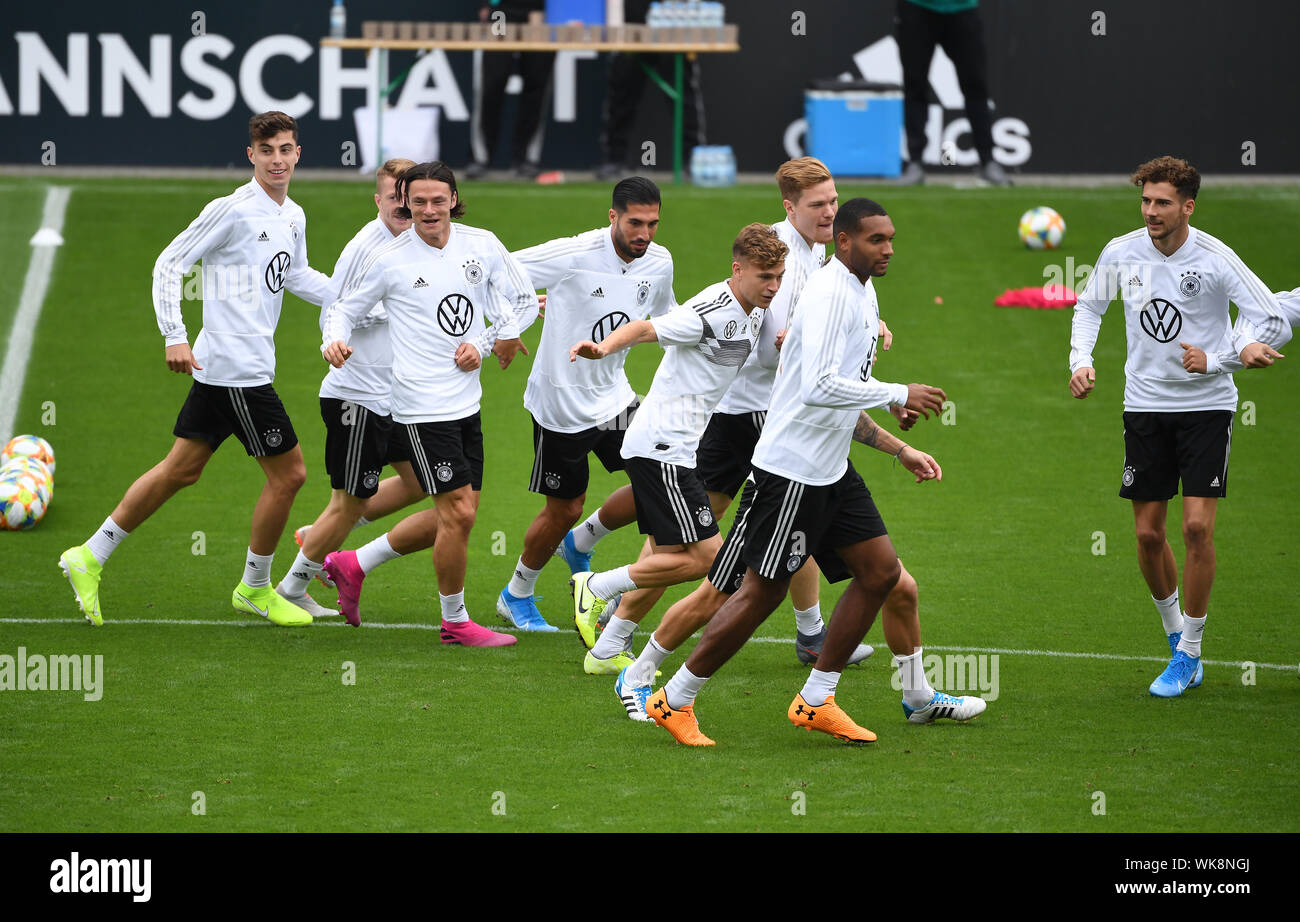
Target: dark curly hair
[{"x": 1178, "y": 173}]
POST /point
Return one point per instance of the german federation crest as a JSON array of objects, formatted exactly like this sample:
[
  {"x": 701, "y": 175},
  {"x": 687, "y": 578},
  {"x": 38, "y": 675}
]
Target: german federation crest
[
  {"x": 705, "y": 515},
  {"x": 642, "y": 293},
  {"x": 443, "y": 472},
  {"x": 1189, "y": 284},
  {"x": 473, "y": 271}
]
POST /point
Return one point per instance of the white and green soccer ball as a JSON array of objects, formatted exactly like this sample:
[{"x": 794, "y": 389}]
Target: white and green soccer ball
[{"x": 1042, "y": 228}]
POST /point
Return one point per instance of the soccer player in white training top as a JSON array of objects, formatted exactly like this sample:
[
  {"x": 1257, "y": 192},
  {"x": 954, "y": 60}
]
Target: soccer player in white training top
[
  {"x": 437, "y": 280},
  {"x": 1176, "y": 282},
  {"x": 706, "y": 340},
  {"x": 596, "y": 282},
  {"x": 1229, "y": 360},
  {"x": 253, "y": 244},
  {"x": 354, "y": 402},
  {"x": 809, "y": 500}
]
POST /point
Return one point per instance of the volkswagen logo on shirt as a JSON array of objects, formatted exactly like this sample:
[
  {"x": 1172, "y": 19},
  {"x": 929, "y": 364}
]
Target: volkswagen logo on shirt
[
  {"x": 1161, "y": 320},
  {"x": 454, "y": 314},
  {"x": 730, "y": 329},
  {"x": 607, "y": 324},
  {"x": 276, "y": 270}
]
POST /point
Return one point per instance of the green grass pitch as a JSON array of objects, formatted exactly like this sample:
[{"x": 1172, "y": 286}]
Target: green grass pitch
[{"x": 429, "y": 737}]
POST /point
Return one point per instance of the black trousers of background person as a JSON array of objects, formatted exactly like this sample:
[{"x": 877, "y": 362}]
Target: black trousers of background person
[
  {"x": 627, "y": 82},
  {"x": 961, "y": 36},
  {"x": 535, "y": 70}
]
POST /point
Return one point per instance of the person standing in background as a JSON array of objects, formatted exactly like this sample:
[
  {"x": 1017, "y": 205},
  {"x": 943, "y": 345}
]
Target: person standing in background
[
  {"x": 493, "y": 72},
  {"x": 626, "y": 84},
  {"x": 957, "y": 27}
]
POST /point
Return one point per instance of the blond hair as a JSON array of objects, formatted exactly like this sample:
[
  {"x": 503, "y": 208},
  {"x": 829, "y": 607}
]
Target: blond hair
[
  {"x": 394, "y": 168},
  {"x": 794, "y": 176},
  {"x": 758, "y": 245}
]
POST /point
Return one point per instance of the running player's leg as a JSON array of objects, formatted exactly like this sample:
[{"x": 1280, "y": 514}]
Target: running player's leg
[
  {"x": 182, "y": 467},
  {"x": 618, "y": 510},
  {"x": 901, "y": 621},
  {"x": 1202, "y": 441},
  {"x": 673, "y": 509},
  {"x": 560, "y": 474},
  {"x": 84, "y": 563},
  {"x": 394, "y": 493}
]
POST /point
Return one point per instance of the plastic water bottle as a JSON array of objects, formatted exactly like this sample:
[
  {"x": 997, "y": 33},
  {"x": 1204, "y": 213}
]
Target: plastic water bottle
[
  {"x": 338, "y": 20},
  {"x": 713, "y": 166}
]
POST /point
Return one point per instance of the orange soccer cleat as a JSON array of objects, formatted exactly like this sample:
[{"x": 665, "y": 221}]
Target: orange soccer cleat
[
  {"x": 828, "y": 718},
  {"x": 680, "y": 722}
]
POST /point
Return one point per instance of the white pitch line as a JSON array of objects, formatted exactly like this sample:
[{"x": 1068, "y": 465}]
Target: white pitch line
[
  {"x": 781, "y": 640},
  {"x": 45, "y": 244}
]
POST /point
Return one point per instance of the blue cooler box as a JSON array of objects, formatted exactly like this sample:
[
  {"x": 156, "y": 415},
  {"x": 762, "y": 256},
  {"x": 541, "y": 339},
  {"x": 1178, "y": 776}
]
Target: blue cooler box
[
  {"x": 855, "y": 128},
  {"x": 568, "y": 12}
]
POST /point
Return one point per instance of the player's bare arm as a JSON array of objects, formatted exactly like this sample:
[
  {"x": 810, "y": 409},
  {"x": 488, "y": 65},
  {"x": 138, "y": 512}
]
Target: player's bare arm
[
  {"x": 626, "y": 336},
  {"x": 181, "y": 360},
  {"x": 886, "y": 337},
  {"x": 1082, "y": 382},
  {"x": 918, "y": 462}
]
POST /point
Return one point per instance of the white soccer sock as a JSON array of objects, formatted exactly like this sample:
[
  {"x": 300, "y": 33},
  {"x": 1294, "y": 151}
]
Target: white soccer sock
[
  {"x": 453, "y": 607},
  {"x": 609, "y": 583},
  {"x": 104, "y": 542},
  {"x": 300, "y": 575},
  {"x": 1171, "y": 616},
  {"x": 819, "y": 687},
  {"x": 376, "y": 552},
  {"x": 682, "y": 688},
  {"x": 613, "y": 639},
  {"x": 524, "y": 582},
  {"x": 916, "y": 687},
  {"x": 809, "y": 621},
  {"x": 586, "y": 535},
  {"x": 642, "y": 672},
  {"x": 257, "y": 570},
  {"x": 1192, "y": 630}
]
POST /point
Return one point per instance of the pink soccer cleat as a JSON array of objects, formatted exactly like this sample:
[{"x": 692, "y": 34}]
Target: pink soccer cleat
[
  {"x": 469, "y": 634},
  {"x": 347, "y": 574}
]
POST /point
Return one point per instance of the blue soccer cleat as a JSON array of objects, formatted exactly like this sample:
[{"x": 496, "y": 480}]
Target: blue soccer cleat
[
  {"x": 1173, "y": 648},
  {"x": 578, "y": 562},
  {"x": 945, "y": 707},
  {"x": 522, "y": 613},
  {"x": 1177, "y": 677}
]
